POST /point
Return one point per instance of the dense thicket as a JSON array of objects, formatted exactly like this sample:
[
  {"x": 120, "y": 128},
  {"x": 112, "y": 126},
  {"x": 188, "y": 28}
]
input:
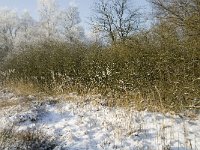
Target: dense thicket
[{"x": 160, "y": 66}]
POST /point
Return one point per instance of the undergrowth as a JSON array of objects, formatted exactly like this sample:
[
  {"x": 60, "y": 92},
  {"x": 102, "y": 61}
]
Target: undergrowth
[
  {"x": 25, "y": 140},
  {"x": 155, "y": 71}
]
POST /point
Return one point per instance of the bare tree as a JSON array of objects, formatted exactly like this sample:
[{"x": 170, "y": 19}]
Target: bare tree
[
  {"x": 49, "y": 12},
  {"x": 70, "y": 24},
  {"x": 115, "y": 18},
  {"x": 181, "y": 13},
  {"x": 9, "y": 27}
]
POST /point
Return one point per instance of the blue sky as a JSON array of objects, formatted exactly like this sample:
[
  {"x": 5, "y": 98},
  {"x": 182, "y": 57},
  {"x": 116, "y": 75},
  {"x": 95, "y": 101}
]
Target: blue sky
[{"x": 83, "y": 5}]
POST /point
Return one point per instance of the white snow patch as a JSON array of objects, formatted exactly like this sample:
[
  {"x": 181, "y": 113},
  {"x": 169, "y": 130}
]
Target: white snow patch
[{"x": 100, "y": 127}]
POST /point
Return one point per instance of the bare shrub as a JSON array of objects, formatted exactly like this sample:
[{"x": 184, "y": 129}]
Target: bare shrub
[{"x": 25, "y": 140}]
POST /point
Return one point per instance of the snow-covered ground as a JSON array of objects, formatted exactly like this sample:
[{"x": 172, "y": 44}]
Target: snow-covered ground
[{"x": 84, "y": 125}]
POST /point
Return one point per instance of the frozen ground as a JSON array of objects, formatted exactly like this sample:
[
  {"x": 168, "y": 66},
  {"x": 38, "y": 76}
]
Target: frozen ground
[{"x": 84, "y": 125}]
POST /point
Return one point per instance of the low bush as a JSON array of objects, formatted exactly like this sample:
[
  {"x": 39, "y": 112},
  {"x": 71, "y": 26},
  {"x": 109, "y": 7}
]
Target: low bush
[
  {"x": 25, "y": 140},
  {"x": 163, "y": 69}
]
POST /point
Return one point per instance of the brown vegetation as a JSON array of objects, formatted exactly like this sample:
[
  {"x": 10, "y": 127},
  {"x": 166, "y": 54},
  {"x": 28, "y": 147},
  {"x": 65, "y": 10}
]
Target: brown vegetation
[{"x": 158, "y": 69}]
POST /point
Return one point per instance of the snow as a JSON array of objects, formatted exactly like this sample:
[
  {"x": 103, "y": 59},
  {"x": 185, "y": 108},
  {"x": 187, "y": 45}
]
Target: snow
[{"x": 85, "y": 126}]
